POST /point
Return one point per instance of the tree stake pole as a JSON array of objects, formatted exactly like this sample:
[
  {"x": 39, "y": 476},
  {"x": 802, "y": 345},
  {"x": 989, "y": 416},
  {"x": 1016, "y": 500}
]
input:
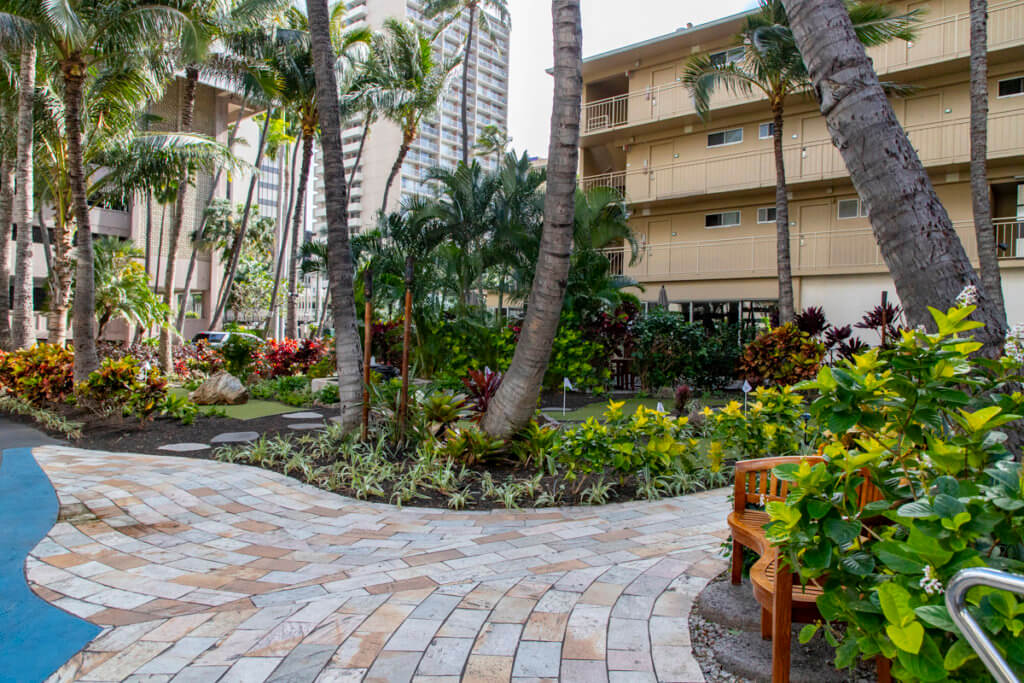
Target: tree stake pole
[{"x": 367, "y": 346}]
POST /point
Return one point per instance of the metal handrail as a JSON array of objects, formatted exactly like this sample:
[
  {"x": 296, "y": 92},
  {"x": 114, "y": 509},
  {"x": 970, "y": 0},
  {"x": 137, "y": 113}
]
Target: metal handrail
[{"x": 956, "y": 603}]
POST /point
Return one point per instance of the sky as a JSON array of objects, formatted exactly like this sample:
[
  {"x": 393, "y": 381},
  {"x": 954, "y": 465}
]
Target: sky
[{"x": 607, "y": 24}]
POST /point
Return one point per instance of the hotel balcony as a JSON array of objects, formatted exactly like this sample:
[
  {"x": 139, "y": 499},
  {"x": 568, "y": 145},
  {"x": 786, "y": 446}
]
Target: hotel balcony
[
  {"x": 938, "y": 40},
  {"x": 938, "y": 144},
  {"x": 813, "y": 253}
]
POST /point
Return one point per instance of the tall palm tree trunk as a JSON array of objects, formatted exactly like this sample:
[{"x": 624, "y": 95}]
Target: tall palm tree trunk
[
  {"x": 187, "y": 108},
  {"x": 6, "y": 221},
  {"x": 914, "y": 233},
  {"x": 236, "y": 250},
  {"x": 786, "y": 304},
  {"x": 291, "y": 319},
  {"x": 464, "y": 105},
  {"x": 63, "y": 262},
  {"x": 980, "y": 199},
  {"x": 395, "y": 168},
  {"x": 359, "y": 152},
  {"x": 198, "y": 240},
  {"x": 23, "y": 323},
  {"x": 283, "y": 252},
  {"x": 83, "y": 310},
  {"x": 339, "y": 255},
  {"x": 516, "y": 399}
]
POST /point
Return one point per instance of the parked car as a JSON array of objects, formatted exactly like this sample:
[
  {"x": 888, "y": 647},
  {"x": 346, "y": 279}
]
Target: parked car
[{"x": 217, "y": 339}]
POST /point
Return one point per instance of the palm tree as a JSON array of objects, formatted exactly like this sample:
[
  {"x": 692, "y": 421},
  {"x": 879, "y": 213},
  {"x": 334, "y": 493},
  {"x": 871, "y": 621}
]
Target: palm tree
[
  {"x": 80, "y": 36},
  {"x": 981, "y": 201},
  {"x": 516, "y": 399},
  {"x": 774, "y": 67},
  {"x": 477, "y": 11},
  {"x": 6, "y": 203},
  {"x": 340, "y": 271},
  {"x": 405, "y": 82},
  {"x": 492, "y": 140},
  {"x": 122, "y": 286},
  {"x": 208, "y": 22},
  {"x": 23, "y": 323},
  {"x": 924, "y": 255}
]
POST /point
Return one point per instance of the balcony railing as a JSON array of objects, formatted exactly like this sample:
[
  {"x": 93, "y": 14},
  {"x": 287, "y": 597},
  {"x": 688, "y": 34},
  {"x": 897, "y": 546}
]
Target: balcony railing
[
  {"x": 938, "y": 40},
  {"x": 832, "y": 251},
  {"x": 945, "y": 142}
]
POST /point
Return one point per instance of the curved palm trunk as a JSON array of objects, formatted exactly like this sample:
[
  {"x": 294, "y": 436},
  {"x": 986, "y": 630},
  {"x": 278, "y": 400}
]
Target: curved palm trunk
[
  {"x": 23, "y": 323},
  {"x": 407, "y": 139},
  {"x": 464, "y": 105},
  {"x": 980, "y": 199},
  {"x": 516, "y": 399},
  {"x": 187, "y": 109},
  {"x": 786, "y": 305},
  {"x": 359, "y": 152},
  {"x": 194, "y": 256},
  {"x": 6, "y": 220},
  {"x": 236, "y": 250},
  {"x": 83, "y": 311},
  {"x": 291, "y": 320},
  {"x": 924, "y": 255},
  {"x": 283, "y": 251},
  {"x": 339, "y": 255}
]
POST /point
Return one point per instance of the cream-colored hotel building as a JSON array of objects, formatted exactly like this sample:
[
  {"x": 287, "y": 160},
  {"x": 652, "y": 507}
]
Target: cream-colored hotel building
[{"x": 701, "y": 195}]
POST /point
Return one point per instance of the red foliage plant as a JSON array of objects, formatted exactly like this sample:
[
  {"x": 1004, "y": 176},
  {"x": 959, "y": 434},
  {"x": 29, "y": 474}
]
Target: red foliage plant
[
  {"x": 481, "y": 385},
  {"x": 284, "y": 357}
]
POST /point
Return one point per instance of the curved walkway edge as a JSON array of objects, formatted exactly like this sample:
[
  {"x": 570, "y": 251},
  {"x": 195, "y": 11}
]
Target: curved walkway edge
[
  {"x": 36, "y": 638},
  {"x": 206, "y": 571}
]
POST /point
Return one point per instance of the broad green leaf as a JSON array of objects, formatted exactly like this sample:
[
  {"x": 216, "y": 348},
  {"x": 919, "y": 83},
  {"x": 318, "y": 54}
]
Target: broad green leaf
[
  {"x": 780, "y": 512},
  {"x": 898, "y": 558},
  {"x": 919, "y": 509},
  {"x": 907, "y": 638},
  {"x": 807, "y": 632},
  {"x": 858, "y": 564},
  {"x": 928, "y": 548},
  {"x": 937, "y": 616},
  {"x": 947, "y": 506},
  {"x": 980, "y": 418},
  {"x": 958, "y": 654},
  {"x": 895, "y": 601},
  {"x": 926, "y": 665},
  {"x": 843, "y": 532}
]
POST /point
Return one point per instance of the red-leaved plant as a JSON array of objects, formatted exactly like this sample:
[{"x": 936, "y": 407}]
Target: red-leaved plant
[{"x": 481, "y": 385}]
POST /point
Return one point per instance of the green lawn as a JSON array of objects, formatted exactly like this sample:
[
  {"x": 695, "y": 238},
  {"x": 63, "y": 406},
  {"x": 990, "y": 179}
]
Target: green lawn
[
  {"x": 598, "y": 407},
  {"x": 251, "y": 410}
]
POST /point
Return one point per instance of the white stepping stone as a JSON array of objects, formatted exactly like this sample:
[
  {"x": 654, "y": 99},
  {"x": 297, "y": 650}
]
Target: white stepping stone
[
  {"x": 303, "y": 416},
  {"x": 184, "y": 447},
  {"x": 235, "y": 437},
  {"x": 307, "y": 425}
]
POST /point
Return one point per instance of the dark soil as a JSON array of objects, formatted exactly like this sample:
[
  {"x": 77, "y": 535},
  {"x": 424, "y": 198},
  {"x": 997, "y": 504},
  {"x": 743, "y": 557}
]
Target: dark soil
[{"x": 128, "y": 435}]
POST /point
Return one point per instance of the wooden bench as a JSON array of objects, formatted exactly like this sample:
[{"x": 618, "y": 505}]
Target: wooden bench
[{"x": 781, "y": 602}]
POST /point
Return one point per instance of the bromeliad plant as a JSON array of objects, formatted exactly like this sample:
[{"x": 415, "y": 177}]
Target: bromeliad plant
[{"x": 921, "y": 422}]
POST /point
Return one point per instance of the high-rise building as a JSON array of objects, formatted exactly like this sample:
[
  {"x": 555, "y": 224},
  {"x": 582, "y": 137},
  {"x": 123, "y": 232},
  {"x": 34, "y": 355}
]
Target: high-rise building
[
  {"x": 702, "y": 194},
  {"x": 440, "y": 139}
]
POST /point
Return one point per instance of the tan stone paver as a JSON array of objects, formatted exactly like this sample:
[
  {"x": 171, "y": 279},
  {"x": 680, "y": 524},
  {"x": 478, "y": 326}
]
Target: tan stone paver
[{"x": 207, "y": 571}]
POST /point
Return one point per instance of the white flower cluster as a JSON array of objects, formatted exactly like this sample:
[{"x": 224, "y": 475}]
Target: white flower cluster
[
  {"x": 1015, "y": 343},
  {"x": 968, "y": 296},
  {"x": 929, "y": 583}
]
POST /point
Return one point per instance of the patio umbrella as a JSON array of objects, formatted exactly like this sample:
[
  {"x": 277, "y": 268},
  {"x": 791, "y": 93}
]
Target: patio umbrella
[{"x": 663, "y": 298}]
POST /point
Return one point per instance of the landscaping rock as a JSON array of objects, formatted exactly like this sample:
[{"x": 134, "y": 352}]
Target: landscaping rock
[
  {"x": 305, "y": 426},
  {"x": 220, "y": 389},
  {"x": 186, "y": 447},
  {"x": 235, "y": 437},
  {"x": 747, "y": 655},
  {"x": 302, "y": 416},
  {"x": 731, "y": 606}
]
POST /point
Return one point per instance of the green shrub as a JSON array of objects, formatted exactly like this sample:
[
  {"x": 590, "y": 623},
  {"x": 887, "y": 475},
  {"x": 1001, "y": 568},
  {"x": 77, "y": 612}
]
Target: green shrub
[
  {"x": 292, "y": 390},
  {"x": 328, "y": 395},
  {"x": 239, "y": 354},
  {"x": 667, "y": 349},
  {"x": 921, "y": 422},
  {"x": 784, "y": 355},
  {"x": 40, "y": 375},
  {"x": 774, "y": 423},
  {"x": 647, "y": 441},
  {"x": 123, "y": 386}
]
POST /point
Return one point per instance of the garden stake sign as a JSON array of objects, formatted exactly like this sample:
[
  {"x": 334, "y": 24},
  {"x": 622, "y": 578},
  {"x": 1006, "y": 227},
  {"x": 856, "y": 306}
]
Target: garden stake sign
[
  {"x": 566, "y": 384},
  {"x": 746, "y": 390}
]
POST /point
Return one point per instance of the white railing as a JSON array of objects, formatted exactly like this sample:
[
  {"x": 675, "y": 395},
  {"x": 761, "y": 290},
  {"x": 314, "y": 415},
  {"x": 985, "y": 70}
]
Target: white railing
[
  {"x": 942, "y": 39},
  {"x": 941, "y": 143},
  {"x": 811, "y": 252}
]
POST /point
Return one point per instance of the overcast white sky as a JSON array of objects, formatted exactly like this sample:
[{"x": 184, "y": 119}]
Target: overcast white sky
[{"x": 607, "y": 24}]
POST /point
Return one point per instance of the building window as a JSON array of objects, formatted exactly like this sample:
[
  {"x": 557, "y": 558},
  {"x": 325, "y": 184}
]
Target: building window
[
  {"x": 1011, "y": 87},
  {"x": 195, "y": 305},
  {"x": 766, "y": 214},
  {"x": 722, "y": 219},
  {"x": 852, "y": 208},
  {"x": 725, "y": 137},
  {"x": 766, "y": 130},
  {"x": 726, "y": 57}
]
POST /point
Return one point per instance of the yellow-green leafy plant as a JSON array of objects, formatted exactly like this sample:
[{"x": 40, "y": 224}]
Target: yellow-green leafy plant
[
  {"x": 923, "y": 423},
  {"x": 775, "y": 422},
  {"x": 645, "y": 440}
]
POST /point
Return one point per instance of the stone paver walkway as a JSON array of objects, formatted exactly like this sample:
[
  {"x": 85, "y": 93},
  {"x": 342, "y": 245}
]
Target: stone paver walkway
[{"x": 206, "y": 571}]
